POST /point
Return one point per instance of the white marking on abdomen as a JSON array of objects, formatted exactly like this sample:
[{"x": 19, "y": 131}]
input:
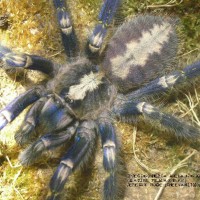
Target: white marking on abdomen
[{"x": 138, "y": 52}]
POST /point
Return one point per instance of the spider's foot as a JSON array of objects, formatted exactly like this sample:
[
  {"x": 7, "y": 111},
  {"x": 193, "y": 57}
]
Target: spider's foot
[
  {"x": 54, "y": 196},
  {"x": 110, "y": 160},
  {"x": 64, "y": 22},
  {"x": 68, "y": 35},
  {"x": 46, "y": 142},
  {"x": 110, "y": 189},
  {"x": 23, "y": 136},
  {"x": 11, "y": 59},
  {"x": 99, "y": 33},
  {"x": 108, "y": 10},
  {"x": 3, "y": 51},
  {"x": 22, "y": 60},
  {"x": 15, "y": 107},
  {"x": 60, "y": 176},
  {"x": 17, "y": 60},
  {"x": 3, "y": 120},
  {"x": 28, "y": 156},
  {"x": 75, "y": 157},
  {"x": 109, "y": 143},
  {"x": 97, "y": 37}
]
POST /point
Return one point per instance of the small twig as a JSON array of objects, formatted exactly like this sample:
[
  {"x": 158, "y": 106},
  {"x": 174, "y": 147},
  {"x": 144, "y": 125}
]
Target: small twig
[
  {"x": 14, "y": 181},
  {"x": 16, "y": 177},
  {"x": 11, "y": 165},
  {"x": 188, "y": 111},
  {"x": 191, "y": 109},
  {"x": 191, "y": 104},
  {"x": 178, "y": 166},
  {"x": 53, "y": 55},
  {"x": 142, "y": 165},
  {"x": 171, "y": 3},
  {"x": 187, "y": 53}
]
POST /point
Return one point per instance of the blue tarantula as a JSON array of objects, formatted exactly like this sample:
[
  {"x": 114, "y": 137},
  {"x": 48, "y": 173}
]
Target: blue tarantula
[{"x": 85, "y": 96}]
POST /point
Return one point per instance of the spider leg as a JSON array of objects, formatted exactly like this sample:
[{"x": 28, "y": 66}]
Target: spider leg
[
  {"x": 55, "y": 115},
  {"x": 67, "y": 32},
  {"x": 14, "y": 108},
  {"x": 167, "y": 82},
  {"x": 105, "y": 18},
  {"x": 34, "y": 62},
  {"x": 110, "y": 150},
  {"x": 181, "y": 129},
  {"x": 46, "y": 142},
  {"x": 30, "y": 122},
  {"x": 46, "y": 112},
  {"x": 78, "y": 154}
]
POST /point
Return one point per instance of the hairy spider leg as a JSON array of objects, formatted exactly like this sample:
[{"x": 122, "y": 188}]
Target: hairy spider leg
[
  {"x": 68, "y": 35},
  {"x": 25, "y": 61},
  {"x": 55, "y": 115},
  {"x": 30, "y": 122},
  {"x": 75, "y": 157},
  {"x": 14, "y": 108},
  {"x": 110, "y": 150},
  {"x": 105, "y": 18},
  {"x": 46, "y": 111},
  {"x": 47, "y": 142},
  {"x": 164, "y": 83},
  {"x": 127, "y": 109}
]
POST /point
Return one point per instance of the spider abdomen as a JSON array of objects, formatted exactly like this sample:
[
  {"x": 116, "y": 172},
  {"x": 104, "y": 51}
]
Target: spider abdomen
[{"x": 140, "y": 50}]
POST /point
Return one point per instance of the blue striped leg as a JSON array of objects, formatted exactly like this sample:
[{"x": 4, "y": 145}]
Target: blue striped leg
[
  {"x": 14, "y": 108},
  {"x": 110, "y": 149},
  {"x": 46, "y": 142},
  {"x": 153, "y": 115},
  {"x": 30, "y": 122},
  {"x": 105, "y": 18},
  {"x": 55, "y": 115},
  {"x": 44, "y": 112},
  {"x": 26, "y": 61},
  {"x": 78, "y": 154},
  {"x": 167, "y": 82},
  {"x": 67, "y": 32}
]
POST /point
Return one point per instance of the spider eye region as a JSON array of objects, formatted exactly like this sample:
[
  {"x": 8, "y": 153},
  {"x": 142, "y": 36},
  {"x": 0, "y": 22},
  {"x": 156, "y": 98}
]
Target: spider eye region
[{"x": 83, "y": 86}]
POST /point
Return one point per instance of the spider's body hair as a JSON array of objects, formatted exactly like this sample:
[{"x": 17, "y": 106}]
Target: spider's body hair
[
  {"x": 78, "y": 154},
  {"x": 111, "y": 160},
  {"x": 83, "y": 99},
  {"x": 22, "y": 60},
  {"x": 125, "y": 109},
  {"x": 11, "y": 111},
  {"x": 83, "y": 86},
  {"x": 165, "y": 84},
  {"x": 46, "y": 142},
  {"x": 54, "y": 111},
  {"x": 139, "y": 51},
  {"x": 67, "y": 32}
]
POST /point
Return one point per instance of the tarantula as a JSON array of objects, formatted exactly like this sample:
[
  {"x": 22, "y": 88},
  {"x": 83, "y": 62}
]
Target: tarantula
[{"x": 83, "y": 99}]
